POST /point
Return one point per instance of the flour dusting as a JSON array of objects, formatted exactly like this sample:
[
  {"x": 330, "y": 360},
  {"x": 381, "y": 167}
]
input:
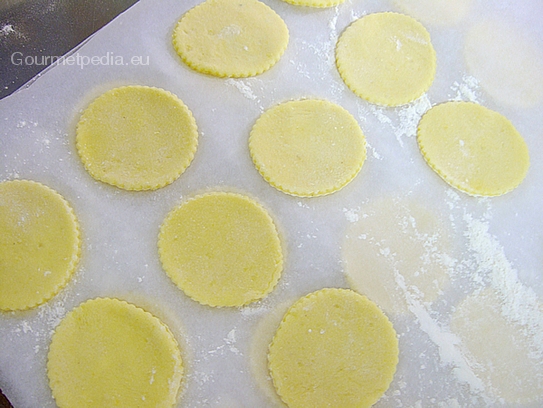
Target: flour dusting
[
  {"x": 467, "y": 90},
  {"x": 404, "y": 120},
  {"x": 243, "y": 87},
  {"x": 351, "y": 214},
  {"x": 410, "y": 117},
  {"x": 520, "y": 304}
]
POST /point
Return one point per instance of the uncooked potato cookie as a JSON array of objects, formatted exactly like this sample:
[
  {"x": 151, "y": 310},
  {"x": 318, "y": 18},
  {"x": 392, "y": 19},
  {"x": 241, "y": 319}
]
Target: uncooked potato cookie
[
  {"x": 39, "y": 244},
  {"x": 109, "y": 353},
  {"x": 307, "y": 147},
  {"x": 231, "y": 38},
  {"x": 221, "y": 249},
  {"x": 386, "y": 58},
  {"x": 137, "y": 138},
  {"x": 334, "y": 348},
  {"x": 473, "y": 148}
]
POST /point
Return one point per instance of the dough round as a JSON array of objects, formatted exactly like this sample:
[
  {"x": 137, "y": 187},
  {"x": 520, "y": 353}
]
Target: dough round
[
  {"x": 231, "y": 38},
  {"x": 386, "y": 58},
  {"x": 221, "y": 249},
  {"x": 508, "y": 65},
  {"x": 395, "y": 250},
  {"x": 39, "y": 244},
  {"x": 334, "y": 348},
  {"x": 438, "y": 12},
  {"x": 473, "y": 148},
  {"x": 315, "y": 3},
  {"x": 137, "y": 138},
  {"x": 261, "y": 337},
  {"x": 307, "y": 147},
  {"x": 107, "y": 353},
  {"x": 500, "y": 351}
]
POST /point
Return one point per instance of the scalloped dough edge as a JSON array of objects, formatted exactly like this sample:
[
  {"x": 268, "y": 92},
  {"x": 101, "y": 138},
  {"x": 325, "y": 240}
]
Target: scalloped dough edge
[
  {"x": 325, "y": 292},
  {"x": 149, "y": 185},
  {"x": 218, "y": 72},
  {"x": 450, "y": 181},
  {"x": 276, "y": 274},
  {"x": 315, "y": 3},
  {"x": 376, "y": 101},
  {"x": 76, "y": 255},
  {"x": 317, "y": 193},
  {"x": 179, "y": 374}
]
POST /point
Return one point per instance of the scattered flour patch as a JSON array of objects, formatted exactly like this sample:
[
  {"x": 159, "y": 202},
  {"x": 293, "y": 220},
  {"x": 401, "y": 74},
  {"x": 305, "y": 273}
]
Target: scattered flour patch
[
  {"x": 230, "y": 341},
  {"x": 249, "y": 311},
  {"x": 379, "y": 113},
  {"x": 374, "y": 152},
  {"x": 351, "y": 214},
  {"x": 243, "y": 87},
  {"x": 520, "y": 303},
  {"x": 410, "y": 117},
  {"x": 303, "y": 205},
  {"x": 467, "y": 90},
  {"x": 25, "y": 326},
  {"x": 447, "y": 342}
]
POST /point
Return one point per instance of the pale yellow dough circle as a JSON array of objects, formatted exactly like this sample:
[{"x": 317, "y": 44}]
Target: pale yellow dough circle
[
  {"x": 315, "y": 3},
  {"x": 137, "y": 138},
  {"x": 473, "y": 148},
  {"x": 334, "y": 348},
  {"x": 221, "y": 249},
  {"x": 261, "y": 337},
  {"x": 386, "y": 58},
  {"x": 307, "y": 147},
  {"x": 109, "y": 353},
  {"x": 39, "y": 244},
  {"x": 228, "y": 38}
]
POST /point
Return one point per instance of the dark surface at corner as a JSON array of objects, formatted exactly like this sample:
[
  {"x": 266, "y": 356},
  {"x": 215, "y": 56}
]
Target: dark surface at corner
[
  {"x": 35, "y": 32},
  {"x": 4, "y": 403}
]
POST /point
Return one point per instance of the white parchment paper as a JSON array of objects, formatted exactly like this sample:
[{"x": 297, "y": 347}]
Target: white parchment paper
[{"x": 224, "y": 349}]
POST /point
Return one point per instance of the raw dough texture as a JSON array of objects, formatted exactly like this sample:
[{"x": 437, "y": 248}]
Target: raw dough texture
[
  {"x": 261, "y": 337},
  {"x": 386, "y": 58},
  {"x": 137, "y": 138},
  {"x": 307, "y": 147},
  {"x": 437, "y": 12},
  {"x": 397, "y": 252},
  {"x": 109, "y": 353},
  {"x": 334, "y": 348},
  {"x": 315, "y": 3},
  {"x": 221, "y": 249},
  {"x": 502, "y": 352},
  {"x": 231, "y": 38},
  {"x": 473, "y": 148},
  {"x": 508, "y": 64},
  {"x": 39, "y": 244}
]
